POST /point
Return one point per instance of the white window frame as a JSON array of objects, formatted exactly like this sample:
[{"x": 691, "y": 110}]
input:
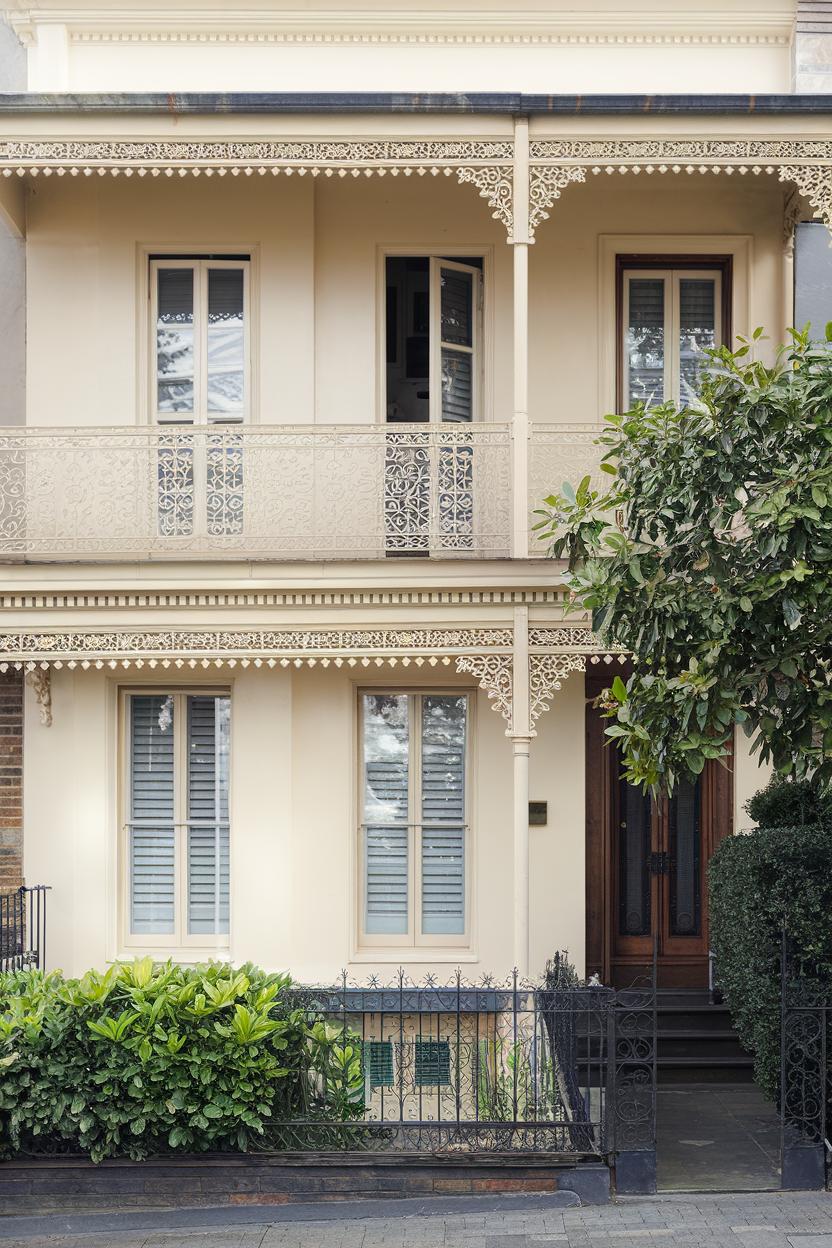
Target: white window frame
[
  {"x": 200, "y": 414},
  {"x": 481, "y": 337},
  {"x": 415, "y": 938},
  {"x": 672, "y": 279},
  {"x": 179, "y": 940}
]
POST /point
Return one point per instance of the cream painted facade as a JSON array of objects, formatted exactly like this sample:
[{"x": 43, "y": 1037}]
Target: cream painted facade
[{"x": 280, "y": 608}]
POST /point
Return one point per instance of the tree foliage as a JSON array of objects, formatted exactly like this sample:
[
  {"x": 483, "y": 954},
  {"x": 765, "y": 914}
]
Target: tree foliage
[{"x": 709, "y": 558}]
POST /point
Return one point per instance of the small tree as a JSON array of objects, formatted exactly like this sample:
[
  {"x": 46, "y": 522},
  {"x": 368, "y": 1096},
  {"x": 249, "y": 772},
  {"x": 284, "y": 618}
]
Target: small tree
[{"x": 709, "y": 558}]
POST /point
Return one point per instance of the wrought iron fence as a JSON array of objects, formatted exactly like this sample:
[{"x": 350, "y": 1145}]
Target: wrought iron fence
[
  {"x": 485, "y": 1067},
  {"x": 805, "y": 1075},
  {"x": 23, "y": 928},
  {"x": 279, "y": 491}
]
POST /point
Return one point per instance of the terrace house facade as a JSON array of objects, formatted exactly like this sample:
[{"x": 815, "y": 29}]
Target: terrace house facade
[{"x": 319, "y": 305}]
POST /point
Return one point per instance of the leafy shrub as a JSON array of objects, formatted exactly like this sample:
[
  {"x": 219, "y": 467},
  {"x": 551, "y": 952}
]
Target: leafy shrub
[
  {"x": 777, "y": 875},
  {"x": 148, "y": 1058}
]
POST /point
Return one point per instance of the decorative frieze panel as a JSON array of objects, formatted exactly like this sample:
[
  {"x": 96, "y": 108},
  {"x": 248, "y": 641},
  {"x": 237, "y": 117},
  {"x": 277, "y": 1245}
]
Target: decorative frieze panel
[
  {"x": 805, "y": 163},
  {"x": 224, "y": 645},
  {"x": 484, "y": 163},
  {"x": 486, "y": 654}
]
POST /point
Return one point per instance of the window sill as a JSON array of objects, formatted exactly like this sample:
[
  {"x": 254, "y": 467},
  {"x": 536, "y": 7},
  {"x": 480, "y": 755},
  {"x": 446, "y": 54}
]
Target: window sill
[
  {"x": 407, "y": 955},
  {"x": 179, "y": 956}
]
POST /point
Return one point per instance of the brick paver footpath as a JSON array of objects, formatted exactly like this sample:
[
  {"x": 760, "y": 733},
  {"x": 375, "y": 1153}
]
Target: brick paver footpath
[{"x": 755, "y": 1220}]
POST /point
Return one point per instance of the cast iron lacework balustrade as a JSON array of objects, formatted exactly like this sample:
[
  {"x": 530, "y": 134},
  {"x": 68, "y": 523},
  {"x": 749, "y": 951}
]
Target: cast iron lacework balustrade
[
  {"x": 303, "y": 492},
  {"x": 483, "y": 1066}
]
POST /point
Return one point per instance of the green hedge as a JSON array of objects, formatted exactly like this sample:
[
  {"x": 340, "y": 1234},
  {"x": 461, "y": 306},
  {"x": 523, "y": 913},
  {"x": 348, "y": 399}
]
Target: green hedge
[
  {"x": 150, "y": 1058},
  {"x": 781, "y": 873}
]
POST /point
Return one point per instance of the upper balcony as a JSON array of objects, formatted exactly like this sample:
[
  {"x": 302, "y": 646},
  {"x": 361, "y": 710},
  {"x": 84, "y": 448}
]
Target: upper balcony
[{"x": 281, "y": 492}]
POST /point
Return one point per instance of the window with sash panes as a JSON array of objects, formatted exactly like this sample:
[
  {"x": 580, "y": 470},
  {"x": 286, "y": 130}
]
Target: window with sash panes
[
  {"x": 669, "y": 318},
  {"x": 200, "y": 390},
  {"x": 414, "y": 831},
  {"x": 176, "y": 818}
]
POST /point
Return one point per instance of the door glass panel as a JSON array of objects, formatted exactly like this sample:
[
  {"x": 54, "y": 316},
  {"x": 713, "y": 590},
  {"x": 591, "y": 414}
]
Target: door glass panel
[
  {"x": 175, "y": 340},
  {"x": 685, "y": 861},
  {"x": 697, "y": 331},
  {"x": 456, "y": 316},
  {"x": 457, "y": 390},
  {"x": 226, "y": 342},
  {"x": 634, "y": 910},
  {"x": 645, "y": 341},
  {"x": 456, "y": 307}
]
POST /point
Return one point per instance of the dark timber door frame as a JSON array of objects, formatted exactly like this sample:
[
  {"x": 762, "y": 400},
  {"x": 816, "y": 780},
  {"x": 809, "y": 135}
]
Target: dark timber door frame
[{"x": 619, "y": 958}]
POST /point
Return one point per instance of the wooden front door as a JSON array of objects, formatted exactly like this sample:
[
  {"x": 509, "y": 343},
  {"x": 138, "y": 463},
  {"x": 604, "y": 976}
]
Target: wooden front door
[{"x": 647, "y": 868}]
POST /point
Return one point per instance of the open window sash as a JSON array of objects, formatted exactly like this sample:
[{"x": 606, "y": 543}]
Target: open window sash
[{"x": 456, "y": 305}]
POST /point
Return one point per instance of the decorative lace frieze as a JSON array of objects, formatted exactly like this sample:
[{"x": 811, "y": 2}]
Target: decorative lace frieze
[
  {"x": 302, "y": 152},
  {"x": 555, "y": 163},
  {"x": 672, "y": 150},
  {"x": 289, "y": 643}
]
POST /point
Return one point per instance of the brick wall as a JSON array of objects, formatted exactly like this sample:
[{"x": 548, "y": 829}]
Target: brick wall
[{"x": 11, "y": 780}]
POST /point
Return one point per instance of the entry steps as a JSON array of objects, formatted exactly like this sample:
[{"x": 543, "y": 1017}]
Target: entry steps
[{"x": 696, "y": 1042}]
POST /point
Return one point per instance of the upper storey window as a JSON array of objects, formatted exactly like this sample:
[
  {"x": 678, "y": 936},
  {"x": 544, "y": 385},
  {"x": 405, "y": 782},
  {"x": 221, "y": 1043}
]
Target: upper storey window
[
  {"x": 200, "y": 320},
  {"x": 668, "y": 318},
  {"x": 433, "y": 339}
]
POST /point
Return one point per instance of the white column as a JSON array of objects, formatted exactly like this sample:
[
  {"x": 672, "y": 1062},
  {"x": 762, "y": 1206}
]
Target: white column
[
  {"x": 520, "y": 418},
  {"x": 521, "y": 734}
]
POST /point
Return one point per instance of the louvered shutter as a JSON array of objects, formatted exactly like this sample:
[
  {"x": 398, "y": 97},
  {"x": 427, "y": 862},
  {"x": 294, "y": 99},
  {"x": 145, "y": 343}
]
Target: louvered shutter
[
  {"x": 152, "y": 831},
  {"x": 385, "y": 728},
  {"x": 444, "y": 732},
  {"x": 646, "y": 346},
  {"x": 697, "y": 331},
  {"x": 208, "y": 849}
]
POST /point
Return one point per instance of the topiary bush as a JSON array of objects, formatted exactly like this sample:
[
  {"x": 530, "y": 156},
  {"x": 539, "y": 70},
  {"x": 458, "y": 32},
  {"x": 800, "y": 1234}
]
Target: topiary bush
[
  {"x": 779, "y": 874},
  {"x": 150, "y": 1058}
]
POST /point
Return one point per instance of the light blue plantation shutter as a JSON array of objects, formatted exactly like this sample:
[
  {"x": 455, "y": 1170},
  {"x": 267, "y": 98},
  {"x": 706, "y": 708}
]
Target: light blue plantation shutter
[
  {"x": 444, "y": 731},
  {"x": 208, "y": 852},
  {"x": 385, "y": 728},
  {"x": 151, "y": 829}
]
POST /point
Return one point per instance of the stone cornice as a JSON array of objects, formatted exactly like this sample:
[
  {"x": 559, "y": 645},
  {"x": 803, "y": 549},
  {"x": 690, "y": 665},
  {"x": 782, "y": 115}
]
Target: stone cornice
[
  {"x": 610, "y": 27},
  {"x": 211, "y": 600}
]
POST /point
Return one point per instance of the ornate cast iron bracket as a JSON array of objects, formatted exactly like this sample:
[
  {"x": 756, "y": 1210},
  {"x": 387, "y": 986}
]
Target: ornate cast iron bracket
[
  {"x": 40, "y": 681},
  {"x": 494, "y": 674}
]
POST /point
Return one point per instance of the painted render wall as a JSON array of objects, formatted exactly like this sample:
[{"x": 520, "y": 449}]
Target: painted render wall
[
  {"x": 433, "y": 45},
  {"x": 12, "y": 265},
  {"x": 293, "y": 836},
  {"x": 318, "y": 247},
  {"x": 293, "y": 846}
]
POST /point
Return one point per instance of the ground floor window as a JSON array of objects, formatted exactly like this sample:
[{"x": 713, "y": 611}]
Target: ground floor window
[
  {"x": 176, "y": 831},
  {"x": 414, "y": 830}
]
